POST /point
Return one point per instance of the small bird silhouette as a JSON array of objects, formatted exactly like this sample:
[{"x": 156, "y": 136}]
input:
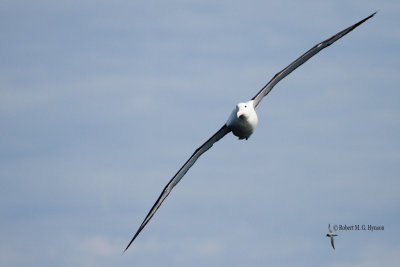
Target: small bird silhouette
[{"x": 331, "y": 235}]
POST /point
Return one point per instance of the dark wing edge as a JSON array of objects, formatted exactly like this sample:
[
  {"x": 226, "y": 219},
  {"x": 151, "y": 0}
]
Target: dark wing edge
[
  {"x": 332, "y": 242},
  {"x": 178, "y": 176},
  {"x": 302, "y": 59}
]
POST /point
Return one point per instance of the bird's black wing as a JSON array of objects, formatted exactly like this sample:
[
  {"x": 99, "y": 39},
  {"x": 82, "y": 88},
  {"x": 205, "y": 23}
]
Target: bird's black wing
[
  {"x": 302, "y": 59},
  {"x": 178, "y": 176}
]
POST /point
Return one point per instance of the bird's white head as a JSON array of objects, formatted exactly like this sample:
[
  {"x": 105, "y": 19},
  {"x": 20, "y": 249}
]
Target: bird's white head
[{"x": 244, "y": 110}]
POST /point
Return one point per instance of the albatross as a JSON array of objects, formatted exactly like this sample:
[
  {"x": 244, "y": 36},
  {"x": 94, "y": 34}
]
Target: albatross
[{"x": 243, "y": 120}]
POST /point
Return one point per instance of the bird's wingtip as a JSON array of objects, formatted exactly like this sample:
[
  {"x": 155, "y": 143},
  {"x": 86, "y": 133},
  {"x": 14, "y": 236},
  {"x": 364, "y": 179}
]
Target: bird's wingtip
[
  {"x": 373, "y": 14},
  {"x": 128, "y": 246}
]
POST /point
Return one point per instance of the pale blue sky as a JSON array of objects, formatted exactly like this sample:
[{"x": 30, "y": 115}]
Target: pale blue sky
[{"x": 101, "y": 102}]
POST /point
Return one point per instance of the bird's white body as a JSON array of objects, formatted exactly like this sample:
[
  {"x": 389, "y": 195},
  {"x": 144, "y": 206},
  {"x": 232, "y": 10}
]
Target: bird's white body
[{"x": 243, "y": 120}]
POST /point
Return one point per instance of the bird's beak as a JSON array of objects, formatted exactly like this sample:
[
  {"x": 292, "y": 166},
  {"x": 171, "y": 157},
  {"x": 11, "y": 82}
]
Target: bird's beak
[{"x": 239, "y": 112}]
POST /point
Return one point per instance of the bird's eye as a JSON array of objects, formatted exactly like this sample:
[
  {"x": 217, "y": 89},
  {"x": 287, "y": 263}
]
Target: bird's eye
[{"x": 245, "y": 106}]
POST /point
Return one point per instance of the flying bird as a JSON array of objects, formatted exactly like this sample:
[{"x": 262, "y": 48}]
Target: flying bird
[
  {"x": 331, "y": 235},
  {"x": 243, "y": 120}
]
